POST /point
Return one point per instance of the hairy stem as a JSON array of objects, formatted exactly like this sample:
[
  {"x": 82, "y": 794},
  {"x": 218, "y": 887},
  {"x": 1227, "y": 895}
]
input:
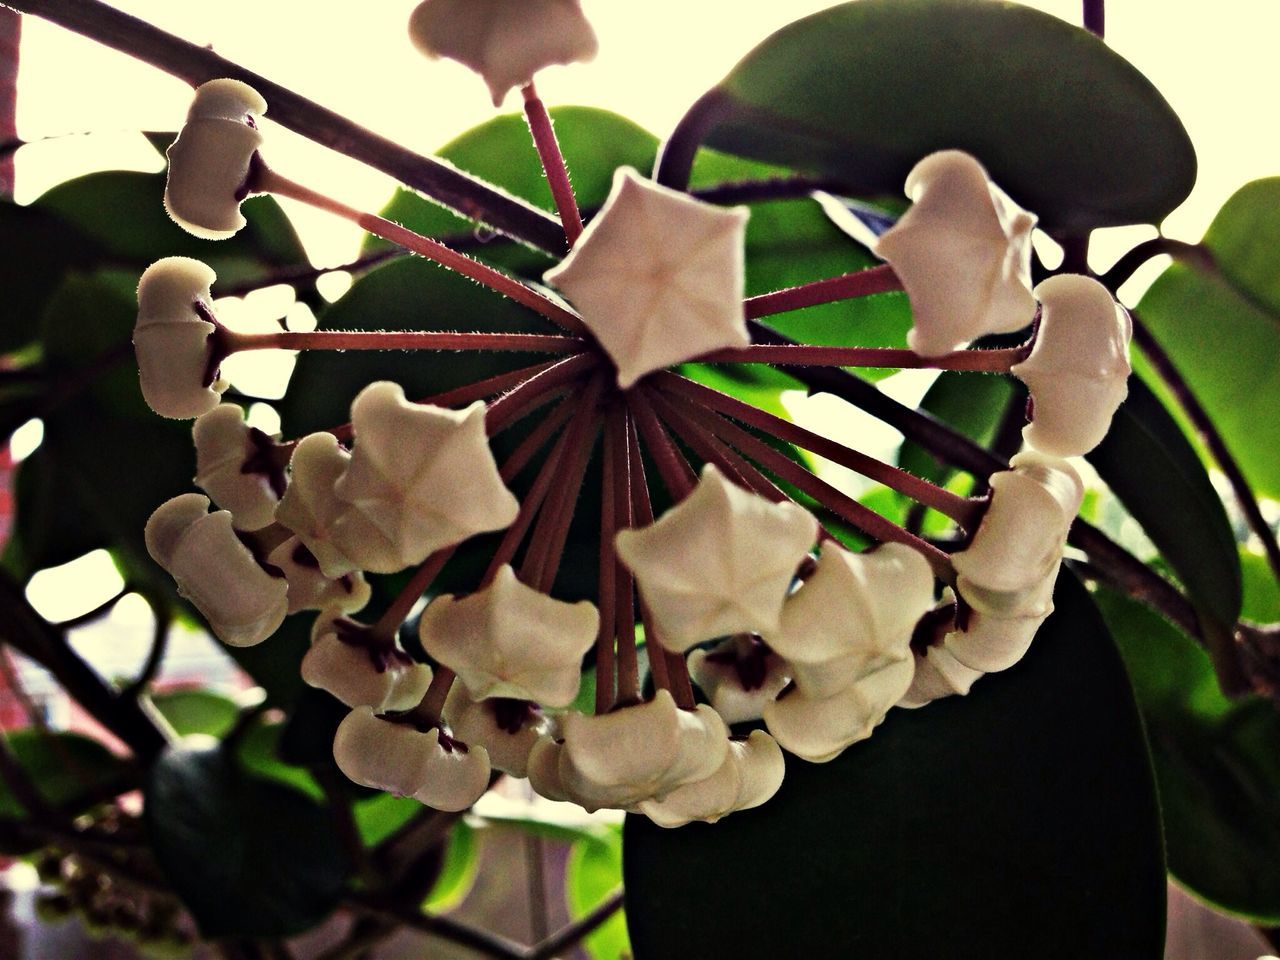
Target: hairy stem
[
  {"x": 544, "y": 139},
  {"x": 860, "y": 283}
]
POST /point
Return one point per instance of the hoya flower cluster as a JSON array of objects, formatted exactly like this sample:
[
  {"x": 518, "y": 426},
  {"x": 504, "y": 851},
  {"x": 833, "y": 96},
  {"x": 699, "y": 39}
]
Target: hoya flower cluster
[{"x": 763, "y": 632}]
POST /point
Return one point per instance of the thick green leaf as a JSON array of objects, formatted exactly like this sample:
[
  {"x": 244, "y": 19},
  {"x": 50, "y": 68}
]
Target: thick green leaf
[
  {"x": 593, "y": 872},
  {"x": 457, "y": 872},
  {"x": 197, "y": 711},
  {"x": 259, "y": 752},
  {"x": 594, "y": 142},
  {"x": 1215, "y": 761},
  {"x": 970, "y": 403},
  {"x": 123, "y": 213},
  {"x": 1155, "y": 472},
  {"x": 1023, "y": 814},
  {"x": 382, "y": 815},
  {"x": 63, "y": 767},
  {"x": 862, "y": 91},
  {"x": 249, "y": 857},
  {"x": 1244, "y": 239}
]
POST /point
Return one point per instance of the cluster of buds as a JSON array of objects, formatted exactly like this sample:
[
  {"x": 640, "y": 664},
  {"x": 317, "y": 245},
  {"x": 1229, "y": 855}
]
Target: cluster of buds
[{"x": 753, "y": 611}]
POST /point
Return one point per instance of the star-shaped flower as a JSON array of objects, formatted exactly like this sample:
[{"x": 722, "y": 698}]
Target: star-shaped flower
[
  {"x": 507, "y": 729},
  {"x": 509, "y": 640},
  {"x": 505, "y": 41},
  {"x": 310, "y": 508},
  {"x": 938, "y": 674},
  {"x": 963, "y": 253},
  {"x": 658, "y": 277},
  {"x": 424, "y": 476},
  {"x": 1078, "y": 370},
  {"x": 209, "y": 162},
  {"x": 854, "y": 615},
  {"x": 172, "y": 338},
  {"x": 719, "y": 562},
  {"x": 345, "y": 660},
  {"x": 751, "y": 773}
]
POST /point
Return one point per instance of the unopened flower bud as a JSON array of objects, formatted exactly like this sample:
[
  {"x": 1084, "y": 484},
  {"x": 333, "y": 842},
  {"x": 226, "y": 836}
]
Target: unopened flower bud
[
  {"x": 1078, "y": 369},
  {"x": 210, "y": 162},
  {"x": 347, "y": 661},
  {"x": 505, "y": 41},
  {"x": 963, "y": 253},
  {"x": 236, "y": 467},
  {"x": 176, "y": 366},
  {"x": 243, "y": 603}
]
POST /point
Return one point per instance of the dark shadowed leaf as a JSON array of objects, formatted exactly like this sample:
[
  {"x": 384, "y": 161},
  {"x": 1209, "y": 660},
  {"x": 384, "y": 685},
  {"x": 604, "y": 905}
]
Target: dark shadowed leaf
[
  {"x": 974, "y": 827},
  {"x": 971, "y": 403},
  {"x": 62, "y": 766},
  {"x": 249, "y": 857},
  {"x": 1155, "y": 472},
  {"x": 864, "y": 90},
  {"x": 1215, "y": 761}
]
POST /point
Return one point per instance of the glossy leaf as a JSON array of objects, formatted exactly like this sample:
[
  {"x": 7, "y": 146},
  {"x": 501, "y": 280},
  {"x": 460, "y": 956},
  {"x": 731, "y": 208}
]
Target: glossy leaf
[
  {"x": 594, "y": 871},
  {"x": 1243, "y": 239},
  {"x": 1221, "y": 329},
  {"x": 1215, "y": 762},
  {"x": 249, "y": 857},
  {"x": 1155, "y": 472},
  {"x": 862, "y": 91},
  {"x": 197, "y": 711},
  {"x": 63, "y": 767},
  {"x": 982, "y": 827},
  {"x": 970, "y": 403}
]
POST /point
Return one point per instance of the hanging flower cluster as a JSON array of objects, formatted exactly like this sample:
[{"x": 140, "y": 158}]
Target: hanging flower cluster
[{"x": 752, "y": 610}]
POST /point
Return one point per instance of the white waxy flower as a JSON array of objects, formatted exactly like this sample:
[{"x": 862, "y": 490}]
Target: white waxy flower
[
  {"x": 243, "y": 603},
  {"x": 505, "y": 41},
  {"x": 658, "y": 277},
  {"x": 543, "y": 769},
  {"x": 751, "y": 773},
  {"x": 507, "y": 729},
  {"x": 209, "y": 163},
  {"x": 991, "y": 644},
  {"x": 739, "y": 676},
  {"x": 429, "y": 766},
  {"x": 176, "y": 365},
  {"x": 1078, "y": 369},
  {"x": 347, "y": 662},
  {"x": 938, "y": 674},
  {"x": 963, "y": 253},
  {"x": 311, "y": 508},
  {"x": 422, "y": 475},
  {"x": 719, "y": 562},
  {"x": 853, "y": 615},
  {"x": 1020, "y": 540},
  {"x": 820, "y": 729},
  {"x": 509, "y": 640},
  {"x": 235, "y": 466},
  {"x": 309, "y": 588},
  {"x": 638, "y": 752}
]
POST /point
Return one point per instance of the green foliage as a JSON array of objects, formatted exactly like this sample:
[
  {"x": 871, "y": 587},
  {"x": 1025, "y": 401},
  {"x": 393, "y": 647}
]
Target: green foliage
[
  {"x": 197, "y": 711},
  {"x": 593, "y": 872},
  {"x": 970, "y": 403},
  {"x": 862, "y": 91},
  {"x": 971, "y": 828},
  {"x": 249, "y": 857},
  {"x": 1215, "y": 761},
  {"x": 1221, "y": 328},
  {"x": 1180, "y": 511},
  {"x": 66, "y": 768}
]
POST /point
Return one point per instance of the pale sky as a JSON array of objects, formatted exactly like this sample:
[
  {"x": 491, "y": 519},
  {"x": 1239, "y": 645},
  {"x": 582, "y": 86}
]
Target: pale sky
[{"x": 1214, "y": 62}]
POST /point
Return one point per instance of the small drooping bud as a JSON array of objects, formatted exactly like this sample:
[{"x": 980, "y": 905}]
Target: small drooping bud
[
  {"x": 243, "y": 603},
  {"x": 505, "y": 41},
  {"x": 1078, "y": 369},
  {"x": 210, "y": 162},
  {"x": 235, "y": 466},
  {"x": 172, "y": 339}
]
